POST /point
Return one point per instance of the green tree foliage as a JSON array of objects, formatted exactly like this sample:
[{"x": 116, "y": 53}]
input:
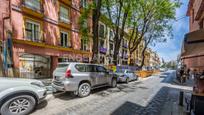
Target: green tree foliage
[{"x": 151, "y": 23}]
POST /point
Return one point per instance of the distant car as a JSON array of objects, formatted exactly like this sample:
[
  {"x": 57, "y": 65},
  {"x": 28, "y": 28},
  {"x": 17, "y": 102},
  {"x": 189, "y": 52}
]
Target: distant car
[
  {"x": 126, "y": 76},
  {"x": 80, "y": 78},
  {"x": 20, "y": 96}
]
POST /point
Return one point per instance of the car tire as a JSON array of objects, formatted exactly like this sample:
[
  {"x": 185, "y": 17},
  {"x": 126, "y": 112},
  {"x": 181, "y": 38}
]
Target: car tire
[
  {"x": 114, "y": 83},
  {"x": 25, "y": 103},
  {"x": 127, "y": 80},
  {"x": 84, "y": 90}
]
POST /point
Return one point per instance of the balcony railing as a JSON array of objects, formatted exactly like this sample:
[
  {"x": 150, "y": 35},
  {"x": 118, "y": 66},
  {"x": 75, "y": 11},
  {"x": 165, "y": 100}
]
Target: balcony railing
[
  {"x": 103, "y": 50},
  {"x": 33, "y": 4}
]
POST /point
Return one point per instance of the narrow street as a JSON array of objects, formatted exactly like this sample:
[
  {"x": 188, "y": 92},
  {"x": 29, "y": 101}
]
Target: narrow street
[{"x": 142, "y": 97}]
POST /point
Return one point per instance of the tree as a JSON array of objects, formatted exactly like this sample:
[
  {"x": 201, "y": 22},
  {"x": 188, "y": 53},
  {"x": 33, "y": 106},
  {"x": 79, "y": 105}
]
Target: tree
[
  {"x": 118, "y": 12},
  {"x": 151, "y": 23},
  {"x": 95, "y": 9}
]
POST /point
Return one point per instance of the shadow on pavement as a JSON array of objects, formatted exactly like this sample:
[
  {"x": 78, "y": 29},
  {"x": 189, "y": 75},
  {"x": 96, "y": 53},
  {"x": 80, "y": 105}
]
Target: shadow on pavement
[{"x": 152, "y": 108}]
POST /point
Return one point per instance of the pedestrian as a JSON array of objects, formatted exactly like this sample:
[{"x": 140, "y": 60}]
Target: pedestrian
[
  {"x": 188, "y": 73},
  {"x": 181, "y": 74}
]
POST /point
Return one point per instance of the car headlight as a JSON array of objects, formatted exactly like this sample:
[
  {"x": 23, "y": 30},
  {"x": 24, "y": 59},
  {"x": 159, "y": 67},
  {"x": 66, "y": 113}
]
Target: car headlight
[{"x": 38, "y": 83}]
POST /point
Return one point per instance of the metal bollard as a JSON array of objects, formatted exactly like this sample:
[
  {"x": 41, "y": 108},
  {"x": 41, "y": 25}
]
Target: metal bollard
[{"x": 181, "y": 95}]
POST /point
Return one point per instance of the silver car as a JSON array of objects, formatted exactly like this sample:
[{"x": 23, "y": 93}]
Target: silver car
[
  {"x": 80, "y": 78},
  {"x": 20, "y": 96},
  {"x": 126, "y": 75}
]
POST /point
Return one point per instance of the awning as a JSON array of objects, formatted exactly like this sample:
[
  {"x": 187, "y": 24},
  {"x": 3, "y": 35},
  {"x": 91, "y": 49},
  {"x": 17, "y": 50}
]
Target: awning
[{"x": 193, "y": 44}]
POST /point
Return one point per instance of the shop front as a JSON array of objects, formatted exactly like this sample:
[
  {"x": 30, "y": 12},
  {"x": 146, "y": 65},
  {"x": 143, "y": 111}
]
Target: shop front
[{"x": 38, "y": 61}]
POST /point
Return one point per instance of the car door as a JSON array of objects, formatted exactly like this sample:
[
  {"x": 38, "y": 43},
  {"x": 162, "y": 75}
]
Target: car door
[
  {"x": 102, "y": 75},
  {"x": 91, "y": 69},
  {"x": 132, "y": 75}
]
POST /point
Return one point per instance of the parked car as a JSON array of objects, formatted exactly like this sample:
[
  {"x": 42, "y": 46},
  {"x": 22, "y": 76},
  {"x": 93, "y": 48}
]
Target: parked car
[
  {"x": 80, "y": 78},
  {"x": 20, "y": 96},
  {"x": 126, "y": 75}
]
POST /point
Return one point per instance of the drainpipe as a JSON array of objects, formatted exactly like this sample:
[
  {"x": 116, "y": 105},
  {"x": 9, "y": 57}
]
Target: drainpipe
[{"x": 3, "y": 27}]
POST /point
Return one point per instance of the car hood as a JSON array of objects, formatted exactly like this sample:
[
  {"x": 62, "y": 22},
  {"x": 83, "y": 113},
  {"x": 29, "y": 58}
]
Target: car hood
[{"x": 16, "y": 80}]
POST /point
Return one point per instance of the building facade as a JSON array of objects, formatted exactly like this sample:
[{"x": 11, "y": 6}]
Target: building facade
[
  {"x": 107, "y": 46},
  {"x": 41, "y": 33},
  {"x": 192, "y": 52}
]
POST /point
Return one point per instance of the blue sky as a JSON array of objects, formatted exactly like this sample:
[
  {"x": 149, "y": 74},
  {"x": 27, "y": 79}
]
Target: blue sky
[{"x": 170, "y": 49}]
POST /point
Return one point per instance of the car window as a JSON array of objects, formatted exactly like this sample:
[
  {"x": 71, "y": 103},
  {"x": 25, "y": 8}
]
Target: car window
[
  {"x": 90, "y": 68},
  {"x": 80, "y": 67},
  {"x": 101, "y": 69}
]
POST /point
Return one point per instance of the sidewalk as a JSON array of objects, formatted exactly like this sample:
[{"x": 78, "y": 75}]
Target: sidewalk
[{"x": 172, "y": 107}]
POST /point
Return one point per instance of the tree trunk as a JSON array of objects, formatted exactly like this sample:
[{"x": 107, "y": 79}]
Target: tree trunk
[
  {"x": 96, "y": 17},
  {"x": 116, "y": 51},
  {"x": 131, "y": 60},
  {"x": 143, "y": 58}
]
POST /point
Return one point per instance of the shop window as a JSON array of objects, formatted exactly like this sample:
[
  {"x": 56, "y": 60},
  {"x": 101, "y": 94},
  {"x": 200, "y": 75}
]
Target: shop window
[
  {"x": 32, "y": 31},
  {"x": 64, "y": 39},
  {"x": 64, "y": 14},
  {"x": 102, "y": 31},
  {"x": 33, "y": 4},
  {"x": 84, "y": 3},
  {"x": 34, "y": 66}
]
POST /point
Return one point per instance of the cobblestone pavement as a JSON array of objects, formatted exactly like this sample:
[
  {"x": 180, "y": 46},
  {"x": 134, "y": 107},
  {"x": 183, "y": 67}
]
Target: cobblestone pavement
[{"x": 144, "y": 97}]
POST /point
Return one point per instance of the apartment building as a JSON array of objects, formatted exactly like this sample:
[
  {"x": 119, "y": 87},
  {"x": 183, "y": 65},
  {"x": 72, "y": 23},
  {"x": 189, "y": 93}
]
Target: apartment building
[
  {"x": 106, "y": 46},
  {"x": 192, "y": 52},
  {"x": 41, "y": 33}
]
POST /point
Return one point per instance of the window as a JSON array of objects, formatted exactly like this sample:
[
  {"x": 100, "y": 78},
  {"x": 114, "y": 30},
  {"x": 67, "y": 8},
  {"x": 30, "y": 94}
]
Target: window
[
  {"x": 33, "y": 4},
  {"x": 64, "y": 14},
  {"x": 84, "y": 44},
  {"x": 201, "y": 23},
  {"x": 101, "y": 30},
  {"x": 32, "y": 31},
  {"x": 111, "y": 35},
  {"x": 84, "y": 3},
  {"x": 101, "y": 69},
  {"x": 193, "y": 16},
  {"x": 90, "y": 68},
  {"x": 80, "y": 68},
  {"x": 111, "y": 48},
  {"x": 64, "y": 39},
  {"x": 101, "y": 43}
]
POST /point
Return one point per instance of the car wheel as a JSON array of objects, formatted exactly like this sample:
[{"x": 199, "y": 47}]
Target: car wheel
[
  {"x": 114, "y": 83},
  {"x": 127, "y": 80},
  {"x": 84, "y": 90},
  {"x": 19, "y": 105}
]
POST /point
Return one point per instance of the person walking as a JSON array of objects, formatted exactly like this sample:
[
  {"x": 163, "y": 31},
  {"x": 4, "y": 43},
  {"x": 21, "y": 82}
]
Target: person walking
[
  {"x": 181, "y": 74},
  {"x": 188, "y": 73}
]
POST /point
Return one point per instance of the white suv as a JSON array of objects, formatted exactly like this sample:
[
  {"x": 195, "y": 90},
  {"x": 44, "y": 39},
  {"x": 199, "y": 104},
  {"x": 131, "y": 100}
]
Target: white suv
[{"x": 20, "y": 96}]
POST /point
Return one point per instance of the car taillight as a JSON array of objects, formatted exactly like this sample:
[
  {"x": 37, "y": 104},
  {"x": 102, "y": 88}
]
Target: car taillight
[{"x": 68, "y": 74}]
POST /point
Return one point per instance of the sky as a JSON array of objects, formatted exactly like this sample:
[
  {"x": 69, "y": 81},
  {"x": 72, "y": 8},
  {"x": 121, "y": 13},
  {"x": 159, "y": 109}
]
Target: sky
[{"x": 172, "y": 48}]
